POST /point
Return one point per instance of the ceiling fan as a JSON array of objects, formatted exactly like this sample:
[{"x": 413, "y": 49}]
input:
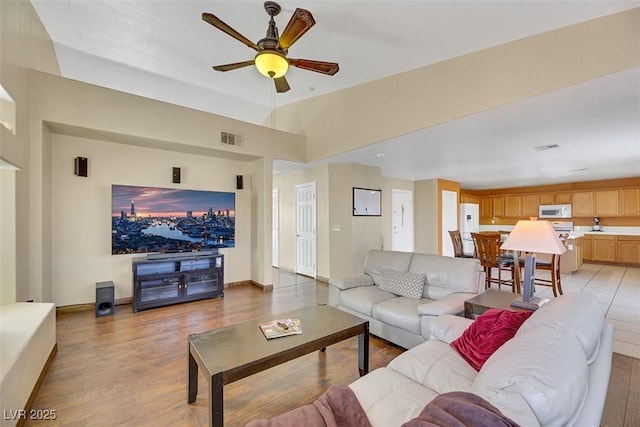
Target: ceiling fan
[{"x": 271, "y": 59}]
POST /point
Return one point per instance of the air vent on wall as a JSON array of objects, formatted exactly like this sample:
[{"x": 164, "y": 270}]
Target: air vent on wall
[
  {"x": 545, "y": 147},
  {"x": 228, "y": 138}
]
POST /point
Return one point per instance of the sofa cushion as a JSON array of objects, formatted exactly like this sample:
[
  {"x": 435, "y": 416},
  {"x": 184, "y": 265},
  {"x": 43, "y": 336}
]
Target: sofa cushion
[
  {"x": 377, "y": 261},
  {"x": 364, "y": 298},
  {"x": 435, "y": 365},
  {"x": 401, "y": 312},
  {"x": 579, "y": 313},
  {"x": 546, "y": 367},
  {"x": 390, "y": 398},
  {"x": 446, "y": 275},
  {"x": 404, "y": 283},
  {"x": 489, "y": 332}
]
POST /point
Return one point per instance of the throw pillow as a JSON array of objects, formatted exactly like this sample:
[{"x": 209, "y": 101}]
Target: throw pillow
[
  {"x": 484, "y": 336},
  {"x": 404, "y": 283}
]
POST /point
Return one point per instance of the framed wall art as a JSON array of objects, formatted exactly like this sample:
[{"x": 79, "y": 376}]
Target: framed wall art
[{"x": 367, "y": 202}]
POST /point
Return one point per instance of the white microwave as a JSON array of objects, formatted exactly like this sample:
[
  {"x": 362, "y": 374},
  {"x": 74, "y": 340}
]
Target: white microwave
[{"x": 554, "y": 211}]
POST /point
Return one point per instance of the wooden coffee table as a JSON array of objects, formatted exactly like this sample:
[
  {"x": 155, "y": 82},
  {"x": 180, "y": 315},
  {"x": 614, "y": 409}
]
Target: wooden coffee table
[
  {"x": 233, "y": 352},
  {"x": 490, "y": 299}
]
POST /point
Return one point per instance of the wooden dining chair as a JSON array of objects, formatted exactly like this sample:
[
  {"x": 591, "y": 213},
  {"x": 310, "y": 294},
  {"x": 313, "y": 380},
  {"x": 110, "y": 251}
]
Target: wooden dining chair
[
  {"x": 490, "y": 256},
  {"x": 553, "y": 267},
  {"x": 456, "y": 239}
]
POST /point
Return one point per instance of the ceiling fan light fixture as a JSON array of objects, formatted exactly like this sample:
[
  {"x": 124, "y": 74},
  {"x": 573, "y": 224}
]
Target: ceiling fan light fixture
[{"x": 271, "y": 63}]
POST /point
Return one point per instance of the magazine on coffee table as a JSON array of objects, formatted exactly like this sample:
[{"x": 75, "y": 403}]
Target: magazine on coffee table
[{"x": 281, "y": 328}]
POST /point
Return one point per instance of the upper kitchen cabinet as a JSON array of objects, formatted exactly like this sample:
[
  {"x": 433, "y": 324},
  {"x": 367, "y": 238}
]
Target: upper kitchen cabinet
[
  {"x": 582, "y": 202},
  {"x": 530, "y": 204},
  {"x": 513, "y": 206},
  {"x": 607, "y": 203},
  {"x": 555, "y": 198},
  {"x": 485, "y": 207},
  {"x": 497, "y": 206},
  {"x": 468, "y": 198},
  {"x": 630, "y": 202},
  {"x": 562, "y": 198}
]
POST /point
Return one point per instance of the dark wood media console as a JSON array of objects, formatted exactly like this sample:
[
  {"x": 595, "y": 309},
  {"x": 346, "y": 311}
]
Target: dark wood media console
[{"x": 160, "y": 282}]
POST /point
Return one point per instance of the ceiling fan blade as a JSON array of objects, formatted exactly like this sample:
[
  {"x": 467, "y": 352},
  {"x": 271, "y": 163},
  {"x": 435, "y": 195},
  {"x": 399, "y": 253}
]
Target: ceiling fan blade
[
  {"x": 217, "y": 22},
  {"x": 329, "y": 68},
  {"x": 300, "y": 23},
  {"x": 281, "y": 84},
  {"x": 234, "y": 66}
]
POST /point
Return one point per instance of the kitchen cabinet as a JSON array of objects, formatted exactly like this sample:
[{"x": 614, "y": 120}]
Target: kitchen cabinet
[
  {"x": 572, "y": 259},
  {"x": 587, "y": 248},
  {"x": 630, "y": 202},
  {"x": 546, "y": 199},
  {"x": 582, "y": 202},
  {"x": 628, "y": 249},
  {"x": 513, "y": 206},
  {"x": 555, "y": 198},
  {"x": 497, "y": 206},
  {"x": 604, "y": 248},
  {"x": 562, "y": 198},
  {"x": 530, "y": 205},
  {"x": 485, "y": 207},
  {"x": 606, "y": 203},
  {"x": 468, "y": 198}
]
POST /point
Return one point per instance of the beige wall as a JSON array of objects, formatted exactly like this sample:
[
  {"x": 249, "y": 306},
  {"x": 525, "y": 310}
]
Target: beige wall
[
  {"x": 343, "y": 240},
  {"x": 172, "y": 135},
  {"x": 24, "y": 45},
  {"x": 425, "y": 202},
  {"x": 81, "y": 210},
  {"x": 458, "y": 87},
  {"x": 285, "y": 184}
]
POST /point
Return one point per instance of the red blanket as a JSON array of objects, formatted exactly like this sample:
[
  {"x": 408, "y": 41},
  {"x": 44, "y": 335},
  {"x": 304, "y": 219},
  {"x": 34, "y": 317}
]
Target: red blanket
[{"x": 337, "y": 407}]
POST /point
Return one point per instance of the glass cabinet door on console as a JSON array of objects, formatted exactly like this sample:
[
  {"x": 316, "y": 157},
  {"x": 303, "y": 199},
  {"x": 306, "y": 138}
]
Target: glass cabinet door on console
[{"x": 159, "y": 282}]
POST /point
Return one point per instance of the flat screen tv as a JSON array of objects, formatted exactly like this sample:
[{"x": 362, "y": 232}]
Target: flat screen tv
[{"x": 150, "y": 219}]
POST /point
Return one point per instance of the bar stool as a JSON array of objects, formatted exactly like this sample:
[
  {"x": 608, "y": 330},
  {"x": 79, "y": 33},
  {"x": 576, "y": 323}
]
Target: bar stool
[
  {"x": 490, "y": 256},
  {"x": 456, "y": 239}
]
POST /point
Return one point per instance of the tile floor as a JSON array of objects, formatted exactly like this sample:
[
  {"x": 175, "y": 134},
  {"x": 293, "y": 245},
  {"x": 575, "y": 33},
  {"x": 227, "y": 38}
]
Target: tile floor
[{"x": 617, "y": 288}]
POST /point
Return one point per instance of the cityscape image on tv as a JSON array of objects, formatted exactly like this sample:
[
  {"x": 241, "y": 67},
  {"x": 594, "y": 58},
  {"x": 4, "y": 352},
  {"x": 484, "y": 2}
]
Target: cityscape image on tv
[{"x": 150, "y": 219}]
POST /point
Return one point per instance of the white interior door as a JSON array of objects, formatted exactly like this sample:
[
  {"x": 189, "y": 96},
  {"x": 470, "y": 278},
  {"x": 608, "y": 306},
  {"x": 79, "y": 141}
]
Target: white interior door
[
  {"x": 402, "y": 220},
  {"x": 449, "y": 220},
  {"x": 306, "y": 229},
  {"x": 275, "y": 228}
]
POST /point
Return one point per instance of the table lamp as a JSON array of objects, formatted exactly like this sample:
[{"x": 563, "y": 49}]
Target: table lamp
[{"x": 532, "y": 236}]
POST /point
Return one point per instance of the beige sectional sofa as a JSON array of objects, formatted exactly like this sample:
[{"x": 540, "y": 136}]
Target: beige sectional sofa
[
  {"x": 553, "y": 372},
  {"x": 400, "y": 293}
]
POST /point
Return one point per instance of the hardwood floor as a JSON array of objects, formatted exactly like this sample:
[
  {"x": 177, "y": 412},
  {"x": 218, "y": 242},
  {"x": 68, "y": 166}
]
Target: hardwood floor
[{"x": 131, "y": 368}]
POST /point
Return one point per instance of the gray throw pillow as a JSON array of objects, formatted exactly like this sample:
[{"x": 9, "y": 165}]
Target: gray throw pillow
[{"x": 404, "y": 283}]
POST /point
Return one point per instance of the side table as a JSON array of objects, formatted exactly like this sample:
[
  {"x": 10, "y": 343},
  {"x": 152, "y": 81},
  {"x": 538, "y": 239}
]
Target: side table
[{"x": 491, "y": 298}]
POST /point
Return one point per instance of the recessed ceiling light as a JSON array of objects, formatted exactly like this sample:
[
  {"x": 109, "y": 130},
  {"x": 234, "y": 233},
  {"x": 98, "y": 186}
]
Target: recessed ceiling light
[
  {"x": 380, "y": 155},
  {"x": 545, "y": 147}
]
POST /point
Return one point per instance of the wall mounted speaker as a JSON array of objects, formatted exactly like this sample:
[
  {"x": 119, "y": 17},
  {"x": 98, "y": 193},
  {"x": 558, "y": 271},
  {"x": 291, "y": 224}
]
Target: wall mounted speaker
[
  {"x": 176, "y": 175},
  {"x": 81, "y": 166},
  {"x": 105, "y": 299},
  {"x": 239, "y": 183}
]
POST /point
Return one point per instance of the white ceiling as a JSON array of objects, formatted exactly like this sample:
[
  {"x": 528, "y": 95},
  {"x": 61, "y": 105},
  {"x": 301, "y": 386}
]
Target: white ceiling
[{"x": 162, "y": 49}]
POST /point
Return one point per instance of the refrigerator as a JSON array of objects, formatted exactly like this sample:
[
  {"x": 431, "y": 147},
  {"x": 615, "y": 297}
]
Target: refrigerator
[{"x": 469, "y": 223}]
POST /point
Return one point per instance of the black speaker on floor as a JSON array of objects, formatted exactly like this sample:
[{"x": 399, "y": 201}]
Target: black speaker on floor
[
  {"x": 105, "y": 299},
  {"x": 81, "y": 166},
  {"x": 239, "y": 182},
  {"x": 176, "y": 175}
]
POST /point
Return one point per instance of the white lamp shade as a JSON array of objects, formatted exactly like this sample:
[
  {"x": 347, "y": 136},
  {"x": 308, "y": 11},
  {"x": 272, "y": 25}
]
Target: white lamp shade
[{"x": 534, "y": 236}]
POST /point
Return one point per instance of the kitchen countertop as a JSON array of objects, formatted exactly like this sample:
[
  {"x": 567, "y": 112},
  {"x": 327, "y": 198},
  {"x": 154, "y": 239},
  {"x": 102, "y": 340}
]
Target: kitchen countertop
[{"x": 610, "y": 231}]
